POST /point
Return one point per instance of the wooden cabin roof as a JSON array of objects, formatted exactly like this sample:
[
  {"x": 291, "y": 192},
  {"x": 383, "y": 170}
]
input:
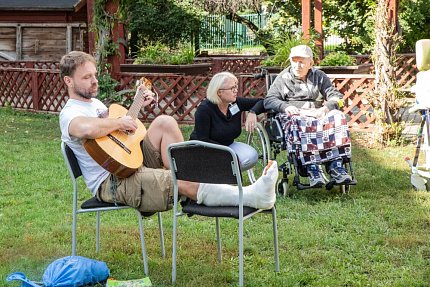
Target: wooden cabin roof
[{"x": 41, "y": 5}]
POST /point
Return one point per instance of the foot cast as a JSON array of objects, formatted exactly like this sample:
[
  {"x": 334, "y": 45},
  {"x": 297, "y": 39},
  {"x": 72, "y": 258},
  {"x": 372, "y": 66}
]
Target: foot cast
[{"x": 260, "y": 194}]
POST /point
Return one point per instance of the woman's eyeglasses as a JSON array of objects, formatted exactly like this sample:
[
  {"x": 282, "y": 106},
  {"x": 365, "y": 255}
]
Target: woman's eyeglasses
[{"x": 236, "y": 87}]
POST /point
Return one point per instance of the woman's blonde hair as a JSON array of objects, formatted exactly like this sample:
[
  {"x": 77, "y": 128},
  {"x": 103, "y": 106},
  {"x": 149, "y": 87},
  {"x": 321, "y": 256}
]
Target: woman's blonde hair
[{"x": 217, "y": 82}]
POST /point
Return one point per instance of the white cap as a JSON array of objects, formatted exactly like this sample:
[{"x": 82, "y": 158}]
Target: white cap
[{"x": 301, "y": 51}]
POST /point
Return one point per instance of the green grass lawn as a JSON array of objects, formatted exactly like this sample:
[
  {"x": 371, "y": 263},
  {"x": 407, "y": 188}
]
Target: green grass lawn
[{"x": 377, "y": 235}]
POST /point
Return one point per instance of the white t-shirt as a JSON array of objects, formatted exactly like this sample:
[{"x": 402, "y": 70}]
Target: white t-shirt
[{"x": 92, "y": 172}]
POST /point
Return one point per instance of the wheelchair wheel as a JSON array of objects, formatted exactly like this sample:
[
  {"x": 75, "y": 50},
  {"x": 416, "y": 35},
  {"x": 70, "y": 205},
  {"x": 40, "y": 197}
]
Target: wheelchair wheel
[
  {"x": 282, "y": 187},
  {"x": 259, "y": 140}
]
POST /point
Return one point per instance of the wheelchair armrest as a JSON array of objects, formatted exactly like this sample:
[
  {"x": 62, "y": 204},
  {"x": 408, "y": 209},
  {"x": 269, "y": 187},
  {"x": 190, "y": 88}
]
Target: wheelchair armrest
[{"x": 271, "y": 113}]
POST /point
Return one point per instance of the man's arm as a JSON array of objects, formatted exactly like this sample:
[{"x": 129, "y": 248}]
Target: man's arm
[
  {"x": 329, "y": 91},
  {"x": 274, "y": 99},
  {"x": 92, "y": 128}
]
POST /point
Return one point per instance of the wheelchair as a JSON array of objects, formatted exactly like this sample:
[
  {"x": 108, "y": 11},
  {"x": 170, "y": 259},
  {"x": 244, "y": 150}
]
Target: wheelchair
[{"x": 268, "y": 139}]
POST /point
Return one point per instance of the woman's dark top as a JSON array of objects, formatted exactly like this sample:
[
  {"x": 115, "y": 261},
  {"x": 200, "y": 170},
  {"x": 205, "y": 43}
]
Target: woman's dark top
[{"x": 211, "y": 125}]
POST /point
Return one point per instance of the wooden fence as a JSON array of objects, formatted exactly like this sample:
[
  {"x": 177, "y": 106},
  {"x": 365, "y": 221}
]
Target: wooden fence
[{"x": 41, "y": 89}]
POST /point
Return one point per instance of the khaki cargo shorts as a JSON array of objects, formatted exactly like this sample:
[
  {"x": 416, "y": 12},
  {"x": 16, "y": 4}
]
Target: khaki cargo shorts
[{"x": 150, "y": 188}]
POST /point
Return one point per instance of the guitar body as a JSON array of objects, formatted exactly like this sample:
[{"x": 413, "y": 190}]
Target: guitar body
[{"x": 119, "y": 152}]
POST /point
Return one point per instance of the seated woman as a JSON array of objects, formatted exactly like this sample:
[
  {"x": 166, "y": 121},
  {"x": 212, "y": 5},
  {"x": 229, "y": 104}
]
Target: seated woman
[
  {"x": 319, "y": 132},
  {"x": 218, "y": 119}
]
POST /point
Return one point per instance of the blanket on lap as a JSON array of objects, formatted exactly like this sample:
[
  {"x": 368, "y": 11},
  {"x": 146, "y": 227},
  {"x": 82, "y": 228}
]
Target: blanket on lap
[{"x": 317, "y": 140}]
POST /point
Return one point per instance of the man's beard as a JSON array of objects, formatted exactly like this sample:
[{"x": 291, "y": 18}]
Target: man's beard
[{"x": 86, "y": 94}]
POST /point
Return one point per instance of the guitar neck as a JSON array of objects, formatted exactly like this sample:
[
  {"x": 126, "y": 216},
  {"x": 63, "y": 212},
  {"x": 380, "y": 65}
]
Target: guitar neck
[{"x": 136, "y": 105}]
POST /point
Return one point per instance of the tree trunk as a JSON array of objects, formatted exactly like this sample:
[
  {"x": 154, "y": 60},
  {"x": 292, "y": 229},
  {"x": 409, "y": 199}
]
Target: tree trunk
[{"x": 384, "y": 58}]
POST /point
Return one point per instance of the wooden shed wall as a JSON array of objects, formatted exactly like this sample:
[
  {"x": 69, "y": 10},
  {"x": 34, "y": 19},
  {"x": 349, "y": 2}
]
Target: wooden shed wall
[
  {"x": 41, "y": 41},
  {"x": 8, "y": 39}
]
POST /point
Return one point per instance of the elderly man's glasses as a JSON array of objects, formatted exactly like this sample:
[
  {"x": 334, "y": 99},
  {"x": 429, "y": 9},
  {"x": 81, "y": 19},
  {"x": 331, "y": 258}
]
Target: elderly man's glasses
[{"x": 236, "y": 87}]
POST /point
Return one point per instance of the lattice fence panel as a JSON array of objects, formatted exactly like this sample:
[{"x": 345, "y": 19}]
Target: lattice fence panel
[
  {"x": 242, "y": 66},
  {"x": 52, "y": 92},
  {"x": 178, "y": 95},
  {"x": 406, "y": 73},
  {"x": 236, "y": 65},
  {"x": 15, "y": 88},
  {"x": 50, "y": 65},
  {"x": 251, "y": 87},
  {"x": 357, "y": 108},
  {"x": 12, "y": 64},
  {"x": 47, "y": 65}
]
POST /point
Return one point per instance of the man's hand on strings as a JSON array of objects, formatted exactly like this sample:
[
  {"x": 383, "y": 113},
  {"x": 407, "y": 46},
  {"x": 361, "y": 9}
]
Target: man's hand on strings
[{"x": 127, "y": 124}]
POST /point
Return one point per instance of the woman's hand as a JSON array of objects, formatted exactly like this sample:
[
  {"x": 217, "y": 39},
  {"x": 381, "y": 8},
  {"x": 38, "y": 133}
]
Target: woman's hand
[{"x": 251, "y": 121}]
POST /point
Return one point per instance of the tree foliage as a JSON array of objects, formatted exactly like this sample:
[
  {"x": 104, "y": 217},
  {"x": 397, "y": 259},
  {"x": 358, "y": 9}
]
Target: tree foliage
[
  {"x": 166, "y": 21},
  {"x": 351, "y": 20},
  {"x": 173, "y": 21},
  {"x": 228, "y": 6},
  {"x": 414, "y": 19}
]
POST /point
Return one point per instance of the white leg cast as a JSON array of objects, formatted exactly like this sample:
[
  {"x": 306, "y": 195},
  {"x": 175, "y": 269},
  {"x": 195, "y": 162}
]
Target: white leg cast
[{"x": 260, "y": 194}]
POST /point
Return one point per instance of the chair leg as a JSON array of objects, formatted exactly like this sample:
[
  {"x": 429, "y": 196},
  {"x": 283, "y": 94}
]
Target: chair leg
[
  {"x": 240, "y": 246},
  {"x": 142, "y": 243},
  {"x": 98, "y": 231},
  {"x": 74, "y": 234},
  {"x": 218, "y": 239},
  {"x": 275, "y": 239},
  {"x": 160, "y": 228},
  {"x": 175, "y": 219}
]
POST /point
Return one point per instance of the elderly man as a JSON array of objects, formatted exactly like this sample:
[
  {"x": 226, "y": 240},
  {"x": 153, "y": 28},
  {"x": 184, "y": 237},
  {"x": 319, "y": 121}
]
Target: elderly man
[{"x": 308, "y": 104}]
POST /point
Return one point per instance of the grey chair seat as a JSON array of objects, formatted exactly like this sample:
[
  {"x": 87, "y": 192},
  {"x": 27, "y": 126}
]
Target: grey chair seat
[
  {"x": 93, "y": 202},
  {"x": 192, "y": 207}
]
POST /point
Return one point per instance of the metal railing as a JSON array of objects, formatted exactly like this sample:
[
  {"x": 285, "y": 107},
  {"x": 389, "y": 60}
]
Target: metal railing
[{"x": 220, "y": 32}]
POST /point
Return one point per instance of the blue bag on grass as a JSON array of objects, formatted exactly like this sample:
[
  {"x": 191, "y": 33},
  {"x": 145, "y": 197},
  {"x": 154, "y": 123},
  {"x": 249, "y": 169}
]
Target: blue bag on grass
[{"x": 70, "y": 271}]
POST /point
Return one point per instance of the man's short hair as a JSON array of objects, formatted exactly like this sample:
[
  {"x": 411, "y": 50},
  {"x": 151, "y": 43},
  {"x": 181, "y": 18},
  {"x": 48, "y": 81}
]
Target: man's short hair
[{"x": 72, "y": 60}]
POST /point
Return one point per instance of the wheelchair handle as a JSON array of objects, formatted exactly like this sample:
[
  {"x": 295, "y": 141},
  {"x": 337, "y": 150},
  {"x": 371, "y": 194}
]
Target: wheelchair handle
[{"x": 262, "y": 74}]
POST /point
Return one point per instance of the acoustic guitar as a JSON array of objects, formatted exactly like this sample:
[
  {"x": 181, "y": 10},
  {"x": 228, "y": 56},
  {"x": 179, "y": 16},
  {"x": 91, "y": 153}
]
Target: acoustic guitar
[{"x": 119, "y": 152}]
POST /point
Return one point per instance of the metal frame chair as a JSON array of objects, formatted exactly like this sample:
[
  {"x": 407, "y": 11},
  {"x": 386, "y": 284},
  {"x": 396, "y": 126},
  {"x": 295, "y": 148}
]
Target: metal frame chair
[
  {"x": 203, "y": 162},
  {"x": 94, "y": 205}
]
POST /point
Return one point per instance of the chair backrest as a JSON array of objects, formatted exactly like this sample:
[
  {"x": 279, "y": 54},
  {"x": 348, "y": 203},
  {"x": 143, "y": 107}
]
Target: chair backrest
[
  {"x": 71, "y": 161},
  {"x": 203, "y": 162}
]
